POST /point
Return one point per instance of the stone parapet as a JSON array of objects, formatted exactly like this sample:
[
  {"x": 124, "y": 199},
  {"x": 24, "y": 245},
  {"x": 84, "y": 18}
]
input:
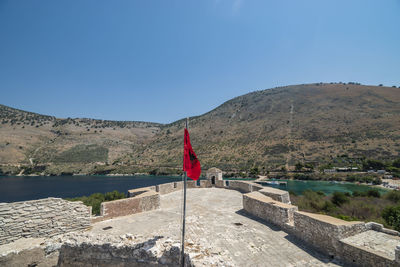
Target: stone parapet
[
  {"x": 276, "y": 194},
  {"x": 270, "y": 210},
  {"x": 205, "y": 184},
  {"x": 220, "y": 183},
  {"x": 41, "y": 218},
  {"x": 138, "y": 191},
  {"x": 167, "y": 188},
  {"x": 191, "y": 184},
  {"x": 241, "y": 186},
  {"x": 324, "y": 232},
  {"x": 146, "y": 201},
  {"x": 370, "y": 248}
]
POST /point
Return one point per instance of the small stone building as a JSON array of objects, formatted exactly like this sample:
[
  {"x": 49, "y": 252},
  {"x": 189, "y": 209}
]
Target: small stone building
[{"x": 214, "y": 174}]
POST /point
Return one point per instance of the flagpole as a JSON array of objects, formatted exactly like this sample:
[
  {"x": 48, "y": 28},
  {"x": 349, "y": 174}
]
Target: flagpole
[{"x": 184, "y": 213}]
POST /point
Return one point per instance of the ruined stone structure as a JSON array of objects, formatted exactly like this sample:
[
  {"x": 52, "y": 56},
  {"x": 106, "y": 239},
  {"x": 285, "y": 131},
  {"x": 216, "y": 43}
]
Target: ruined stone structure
[{"x": 213, "y": 175}]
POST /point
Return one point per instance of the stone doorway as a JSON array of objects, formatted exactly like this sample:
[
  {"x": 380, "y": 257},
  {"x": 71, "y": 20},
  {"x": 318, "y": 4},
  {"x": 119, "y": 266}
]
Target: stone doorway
[{"x": 213, "y": 180}]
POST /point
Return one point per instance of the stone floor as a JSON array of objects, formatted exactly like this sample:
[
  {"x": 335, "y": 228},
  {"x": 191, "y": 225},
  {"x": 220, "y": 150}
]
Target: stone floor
[{"x": 216, "y": 225}]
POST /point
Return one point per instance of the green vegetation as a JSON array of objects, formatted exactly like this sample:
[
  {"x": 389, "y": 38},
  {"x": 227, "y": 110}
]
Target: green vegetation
[
  {"x": 348, "y": 177},
  {"x": 95, "y": 199},
  {"x": 392, "y": 216},
  {"x": 362, "y": 206},
  {"x": 83, "y": 153}
]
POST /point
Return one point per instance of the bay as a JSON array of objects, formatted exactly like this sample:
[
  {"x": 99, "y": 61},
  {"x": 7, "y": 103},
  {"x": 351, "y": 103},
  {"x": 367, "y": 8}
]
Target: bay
[
  {"x": 298, "y": 187},
  {"x": 21, "y": 188}
]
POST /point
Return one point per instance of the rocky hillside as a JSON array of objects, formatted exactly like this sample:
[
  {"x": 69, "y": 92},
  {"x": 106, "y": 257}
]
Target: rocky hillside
[{"x": 269, "y": 129}]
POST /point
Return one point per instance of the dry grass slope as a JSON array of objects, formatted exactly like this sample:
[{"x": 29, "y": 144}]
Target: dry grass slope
[{"x": 270, "y": 128}]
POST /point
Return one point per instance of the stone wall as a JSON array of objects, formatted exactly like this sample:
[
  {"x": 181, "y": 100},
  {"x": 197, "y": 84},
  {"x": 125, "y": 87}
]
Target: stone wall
[
  {"x": 205, "y": 184},
  {"x": 41, "y": 218},
  {"x": 166, "y": 188},
  {"x": 241, "y": 186},
  {"x": 266, "y": 208},
  {"x": 146, "y": 201},
  {"x": 276, "y": 194},
  {"x": 220, "y": 184},
  {"x": 122, "y": 251},
  {"x": 359, "y": 256},
  {"x": 344, "y": 240},
  {"x": 191, "y": 184},
  {"x": 324, "y": 232},
  {"x": 138, "y": 191}
]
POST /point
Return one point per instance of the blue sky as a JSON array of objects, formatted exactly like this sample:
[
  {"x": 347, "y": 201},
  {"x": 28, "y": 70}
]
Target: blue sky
[{"x": 159, "y": 60}]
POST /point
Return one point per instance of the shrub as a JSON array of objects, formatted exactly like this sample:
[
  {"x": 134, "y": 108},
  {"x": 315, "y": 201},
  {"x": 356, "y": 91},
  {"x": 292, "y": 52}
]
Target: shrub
[
  {"x": 373, "y": 193},
  {"x": 391, "y": 215},
  {"x": 339, "y": 198},
  {"x": 377, "y": 181},
  {"x": 393, "y": 196},
  {"x": 359, "y": 194}
]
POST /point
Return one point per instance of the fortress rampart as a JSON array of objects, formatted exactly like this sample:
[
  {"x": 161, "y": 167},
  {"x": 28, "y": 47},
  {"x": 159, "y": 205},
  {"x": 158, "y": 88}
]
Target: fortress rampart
[{"x": 337, "y": 238}]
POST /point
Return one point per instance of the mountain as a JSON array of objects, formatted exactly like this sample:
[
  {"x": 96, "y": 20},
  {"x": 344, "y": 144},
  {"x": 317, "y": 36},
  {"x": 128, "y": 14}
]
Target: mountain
[{"x": 269, "y": 129}]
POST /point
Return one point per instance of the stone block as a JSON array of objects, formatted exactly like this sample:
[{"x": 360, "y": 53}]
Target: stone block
[
  {"x": 163, "y": 189},
  {"x": 205, "y": 184},
  {"x": 276, "y": 194},
  {"x": 220, "y": 183}
]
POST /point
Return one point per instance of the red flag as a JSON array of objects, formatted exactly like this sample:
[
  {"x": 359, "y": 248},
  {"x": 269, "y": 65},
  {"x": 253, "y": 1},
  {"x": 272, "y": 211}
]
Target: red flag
[{"x": 191, "y": 165}]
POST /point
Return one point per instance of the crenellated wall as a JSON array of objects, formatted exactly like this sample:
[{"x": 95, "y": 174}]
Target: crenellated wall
[{"x": 41, "y": 218}]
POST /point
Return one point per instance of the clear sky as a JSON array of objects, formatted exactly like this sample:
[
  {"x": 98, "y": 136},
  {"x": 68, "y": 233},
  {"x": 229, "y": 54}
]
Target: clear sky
[{"x": 162, "y": 60}]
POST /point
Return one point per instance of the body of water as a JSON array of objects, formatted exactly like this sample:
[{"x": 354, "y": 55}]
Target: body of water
[
  {"x": 328, "y": 188},
  {"x": 20, "y": 188}
]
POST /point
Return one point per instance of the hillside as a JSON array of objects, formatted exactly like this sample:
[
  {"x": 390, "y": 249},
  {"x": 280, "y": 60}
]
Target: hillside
[{"x": 269, "y": 129}]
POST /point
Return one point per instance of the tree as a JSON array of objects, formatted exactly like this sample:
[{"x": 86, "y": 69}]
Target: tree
[
  {"x": 298, "y": 166},
  {"x": 396, "y": 163},
  {"x": 373, "y": 164},
  {"x": 391, "y": 215},
  {"x": 339, "y": 198}
]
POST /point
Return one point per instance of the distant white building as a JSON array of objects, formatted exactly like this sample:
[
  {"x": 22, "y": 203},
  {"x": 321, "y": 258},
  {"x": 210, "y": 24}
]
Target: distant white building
[{"x": 214, "y": 174}]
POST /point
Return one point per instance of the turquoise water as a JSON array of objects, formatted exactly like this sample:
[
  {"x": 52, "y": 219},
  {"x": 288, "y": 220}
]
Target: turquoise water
[{"x": 328, "y": 188}]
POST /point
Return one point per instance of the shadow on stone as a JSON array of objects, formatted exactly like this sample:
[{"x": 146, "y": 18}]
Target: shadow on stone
[
  {"x": 310, "y": 250},
  {"x": 273, "y": 227},
  {"x": 291, "y": 238}
]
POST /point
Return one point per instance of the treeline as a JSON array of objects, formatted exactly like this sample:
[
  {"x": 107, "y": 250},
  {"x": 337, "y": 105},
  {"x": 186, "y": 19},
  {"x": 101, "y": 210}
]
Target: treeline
[
  {"x": 362, "y": 206},
  {"x": 359, "y": 177}
]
